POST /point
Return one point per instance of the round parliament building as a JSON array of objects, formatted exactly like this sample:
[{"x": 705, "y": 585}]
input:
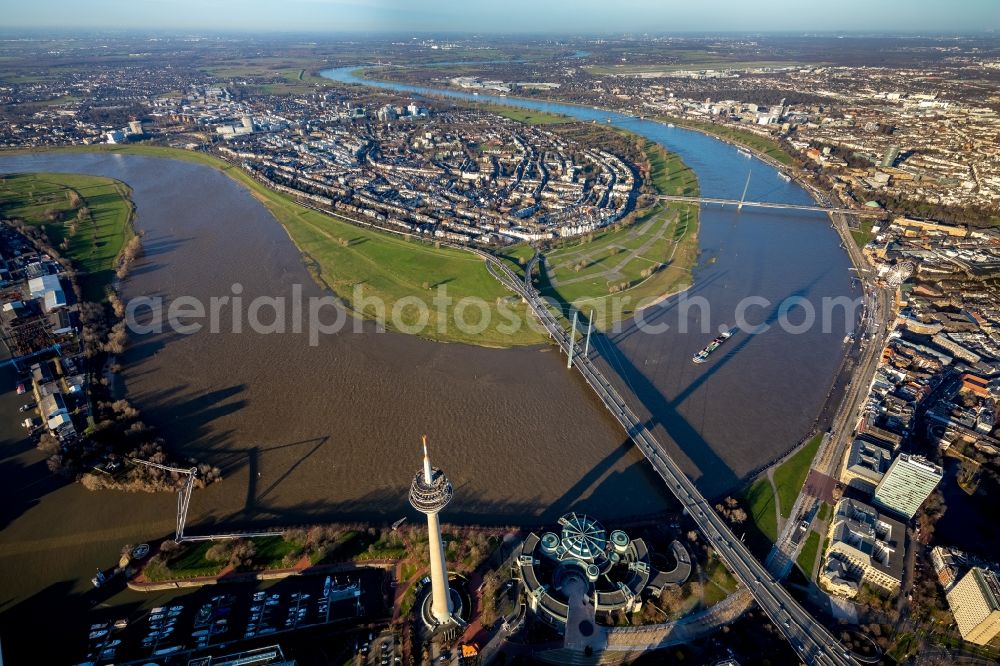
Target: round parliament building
[{"x": 585, "y": 570}]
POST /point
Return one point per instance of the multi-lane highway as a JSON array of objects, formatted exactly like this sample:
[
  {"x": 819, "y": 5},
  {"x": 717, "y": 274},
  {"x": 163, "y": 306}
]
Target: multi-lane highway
[
  {"x": 811, "y": 640},
  {"x": 871, "y": 336}
]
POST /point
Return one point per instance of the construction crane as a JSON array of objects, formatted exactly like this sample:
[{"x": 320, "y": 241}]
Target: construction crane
[{"x": 183, "y": 497}]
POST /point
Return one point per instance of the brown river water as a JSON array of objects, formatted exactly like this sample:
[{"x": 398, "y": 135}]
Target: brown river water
[
  {"x": 309, "y": 434},
  {"x": 303, "y": 434}
]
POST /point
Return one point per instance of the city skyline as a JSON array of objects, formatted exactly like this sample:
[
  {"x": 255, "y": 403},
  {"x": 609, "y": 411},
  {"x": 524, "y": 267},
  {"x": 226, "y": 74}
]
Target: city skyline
[
  {"x": 518, "y": 16},
  {"x": 735, "y": 293}
]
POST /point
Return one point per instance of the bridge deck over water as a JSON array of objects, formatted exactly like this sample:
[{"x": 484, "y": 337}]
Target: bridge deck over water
[
  {"x": 811, "y": 640},
  {"x": 874, "y": 212}
]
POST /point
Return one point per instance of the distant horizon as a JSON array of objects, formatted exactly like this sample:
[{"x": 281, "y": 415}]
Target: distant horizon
[
  {"x": 514, "y": 17},
  {"x": 13, "y": 33}
]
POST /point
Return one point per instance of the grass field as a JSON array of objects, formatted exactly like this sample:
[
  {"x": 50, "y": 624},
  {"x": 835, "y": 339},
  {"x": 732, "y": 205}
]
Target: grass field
[
  {"x": 271, "y": 551},
  {"x": 760, "y": 502},
  {"x": 664, "y": 240},
  {"x": 807, "y": 556},
  {"x": 517, "y": 256},
  {"x": 863, "y": 235},
  {"x": 719, "y": 582},
  {"x": 668, "y": 172},
  {"x": 615, "y": 272},
  {"x": 360, "y": 264},
  {"x": 86, "y": 218},
  {"x": 527, "y": 116},
  {"x": 353, "y": 261},
  {"x": 193, "y": 563},
  {"x": 791, "y": 474}
]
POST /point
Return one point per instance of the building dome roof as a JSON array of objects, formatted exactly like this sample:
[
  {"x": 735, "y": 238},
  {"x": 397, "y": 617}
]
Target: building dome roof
[{"x": 583, "y": 538}]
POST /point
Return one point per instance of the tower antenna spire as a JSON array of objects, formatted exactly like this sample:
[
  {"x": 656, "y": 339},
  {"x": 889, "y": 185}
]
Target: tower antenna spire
[{"x": 427, "y": 461}]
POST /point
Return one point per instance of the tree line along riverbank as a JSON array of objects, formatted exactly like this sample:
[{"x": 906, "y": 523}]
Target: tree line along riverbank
[{"x": 85, "y": 224}]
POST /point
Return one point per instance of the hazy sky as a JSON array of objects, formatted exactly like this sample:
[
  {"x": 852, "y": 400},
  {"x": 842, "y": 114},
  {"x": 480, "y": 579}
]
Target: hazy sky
[{"x": 579, "y": 16}]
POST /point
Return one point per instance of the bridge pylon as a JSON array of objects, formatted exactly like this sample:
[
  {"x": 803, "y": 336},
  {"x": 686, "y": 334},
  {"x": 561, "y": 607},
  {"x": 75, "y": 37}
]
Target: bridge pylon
[
  {"x": 745, "y": 188},
  {"x": 572, "y": 342}
]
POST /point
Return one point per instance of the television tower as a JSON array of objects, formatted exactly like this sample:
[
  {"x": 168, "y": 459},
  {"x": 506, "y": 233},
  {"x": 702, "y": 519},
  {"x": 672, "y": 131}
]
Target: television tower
[{"x": 429, "y": 493}]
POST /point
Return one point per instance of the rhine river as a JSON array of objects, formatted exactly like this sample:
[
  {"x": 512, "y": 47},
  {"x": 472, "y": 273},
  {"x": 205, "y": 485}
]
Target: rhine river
[
  {"x": 307, "y": 434},
  {"x": 759, "y": 394}
]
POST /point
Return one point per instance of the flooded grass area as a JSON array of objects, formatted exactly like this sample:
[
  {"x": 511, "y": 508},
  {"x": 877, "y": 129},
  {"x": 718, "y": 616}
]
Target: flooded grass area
[
  {"x": 86, "y": 218},
  {"x": 304, "y": 434}
]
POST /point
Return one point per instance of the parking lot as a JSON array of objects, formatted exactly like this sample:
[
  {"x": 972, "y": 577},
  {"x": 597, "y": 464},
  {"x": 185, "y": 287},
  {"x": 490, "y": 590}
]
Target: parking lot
[
  {"x": 225, "y": 616},
  {"x": 382, "y": 650}
]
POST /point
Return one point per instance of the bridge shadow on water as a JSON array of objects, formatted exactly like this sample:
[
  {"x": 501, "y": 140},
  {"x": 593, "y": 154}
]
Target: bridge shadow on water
[
  {"x": 254, "y": 505},
  {"x": 662, "y": 415},
  {"x": 660, "y": 311},
  {"x": 186, "y": 418}
]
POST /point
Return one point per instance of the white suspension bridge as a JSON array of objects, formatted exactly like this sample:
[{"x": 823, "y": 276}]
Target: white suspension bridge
[{"x": 741, "y": 202}]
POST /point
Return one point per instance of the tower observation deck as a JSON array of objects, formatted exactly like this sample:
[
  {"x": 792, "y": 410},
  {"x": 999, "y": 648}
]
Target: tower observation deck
[{"x": 431, "y": 490}]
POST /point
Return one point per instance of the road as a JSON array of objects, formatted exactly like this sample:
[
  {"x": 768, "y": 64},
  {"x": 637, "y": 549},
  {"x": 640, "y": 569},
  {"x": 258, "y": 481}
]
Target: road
[
  {"x": 765, "y": 204},
  {"x": 871, "y": 334},
  {"x": 811, "y": 640}
]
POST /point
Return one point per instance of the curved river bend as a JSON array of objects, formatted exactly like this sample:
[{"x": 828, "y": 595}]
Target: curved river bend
[
  {"x": 307, "y": 434},
  {"x": 758, "y": 395},
  {"x": 303, "y": 434}
]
